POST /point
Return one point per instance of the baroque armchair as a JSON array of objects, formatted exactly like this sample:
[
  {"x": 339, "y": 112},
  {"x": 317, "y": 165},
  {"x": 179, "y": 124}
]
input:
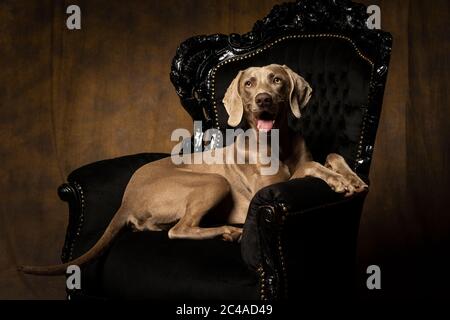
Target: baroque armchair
[{"x": 300, "y": 237}]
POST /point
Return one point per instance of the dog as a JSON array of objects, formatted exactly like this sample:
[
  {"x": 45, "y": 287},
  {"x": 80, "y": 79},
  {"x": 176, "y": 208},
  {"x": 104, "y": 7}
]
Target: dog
[{"x": 162, "y": 194}]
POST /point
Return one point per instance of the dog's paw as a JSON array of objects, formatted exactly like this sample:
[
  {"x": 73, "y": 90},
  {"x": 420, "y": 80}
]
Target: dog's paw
[
  {"x": 348, "y": 184},
  {"x": 337, "y": 183},
  {"x": 355, "y": 183},
  {"x": 232, "y": 234}
]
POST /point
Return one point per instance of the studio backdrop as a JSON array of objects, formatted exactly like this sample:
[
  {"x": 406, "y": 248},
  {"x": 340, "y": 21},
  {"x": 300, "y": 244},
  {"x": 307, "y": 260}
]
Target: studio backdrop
[{"x": 71, "y": 97}]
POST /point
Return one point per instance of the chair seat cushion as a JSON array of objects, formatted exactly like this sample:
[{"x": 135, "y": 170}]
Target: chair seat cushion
[{"x": 148, "y": 265}]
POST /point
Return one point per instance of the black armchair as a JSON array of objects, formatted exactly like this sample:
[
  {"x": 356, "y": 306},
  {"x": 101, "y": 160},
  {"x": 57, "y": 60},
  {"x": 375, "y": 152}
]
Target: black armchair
[{"x": 299, "y": 237}]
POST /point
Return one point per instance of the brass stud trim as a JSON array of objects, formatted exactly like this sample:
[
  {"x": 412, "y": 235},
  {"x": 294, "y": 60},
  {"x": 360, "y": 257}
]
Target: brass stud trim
[
  {"x": 81, "y": 218},
  {"x": 284, "y": 213},
  {"x": 262, "y": 281}
]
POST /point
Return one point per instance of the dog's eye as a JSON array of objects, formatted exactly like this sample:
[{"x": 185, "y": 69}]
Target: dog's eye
[
  {"x": 248, "y": 84},
  {"x": 276, "y": 80}
]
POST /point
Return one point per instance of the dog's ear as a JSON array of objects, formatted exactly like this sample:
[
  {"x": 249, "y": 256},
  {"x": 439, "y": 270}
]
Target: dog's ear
[
  {"x": 300, "y": 92},
  {"x": 233, "y": 102}
]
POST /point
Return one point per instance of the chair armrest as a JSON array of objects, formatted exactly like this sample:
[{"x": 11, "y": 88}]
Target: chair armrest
[
  {"x": 302, "y": 233},
  {"x": 94, "y": 193}
]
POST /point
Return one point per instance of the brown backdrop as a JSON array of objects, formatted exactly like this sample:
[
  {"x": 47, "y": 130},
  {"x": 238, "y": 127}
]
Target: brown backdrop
[{"x": 72, "y": 97}]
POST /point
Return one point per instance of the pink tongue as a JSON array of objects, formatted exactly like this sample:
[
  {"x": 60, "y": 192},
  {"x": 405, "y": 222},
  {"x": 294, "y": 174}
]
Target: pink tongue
[{"x": 265, "y": 125}]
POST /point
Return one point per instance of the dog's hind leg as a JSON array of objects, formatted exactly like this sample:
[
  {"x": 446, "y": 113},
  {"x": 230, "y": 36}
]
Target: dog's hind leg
[{"x": 213, "y": 190}]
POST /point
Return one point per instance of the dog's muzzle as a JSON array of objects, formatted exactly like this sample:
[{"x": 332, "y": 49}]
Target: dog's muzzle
[{"x": 265, "y": 117}]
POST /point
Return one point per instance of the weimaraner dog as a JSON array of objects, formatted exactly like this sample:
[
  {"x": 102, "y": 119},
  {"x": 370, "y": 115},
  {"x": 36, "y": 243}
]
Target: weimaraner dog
[{"x": 263, "y": 96}]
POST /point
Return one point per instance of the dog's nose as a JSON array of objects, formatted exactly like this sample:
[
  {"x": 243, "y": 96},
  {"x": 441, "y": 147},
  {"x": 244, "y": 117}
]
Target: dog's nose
[{"x": 263, "y": 100}]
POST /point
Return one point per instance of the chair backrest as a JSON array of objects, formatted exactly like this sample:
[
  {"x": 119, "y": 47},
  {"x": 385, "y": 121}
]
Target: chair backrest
[{"x": 328, "y": 43}]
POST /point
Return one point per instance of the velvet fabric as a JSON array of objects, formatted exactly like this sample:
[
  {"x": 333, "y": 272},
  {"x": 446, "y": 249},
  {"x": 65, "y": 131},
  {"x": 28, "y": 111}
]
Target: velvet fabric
[
  {"x": 151, "y": 266},
  {"x": 320, "y": 229}
]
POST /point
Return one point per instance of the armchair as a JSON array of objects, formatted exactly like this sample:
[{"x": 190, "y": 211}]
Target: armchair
[{"x": 300, "y": 237}]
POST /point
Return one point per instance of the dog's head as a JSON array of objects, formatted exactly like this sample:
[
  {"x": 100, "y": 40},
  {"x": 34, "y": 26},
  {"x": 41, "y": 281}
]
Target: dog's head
[{"x": 263, "y": 96}]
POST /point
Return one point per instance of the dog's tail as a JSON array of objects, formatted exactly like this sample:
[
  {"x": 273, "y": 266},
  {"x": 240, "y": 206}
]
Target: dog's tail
[{"x": 114, "y": 227}]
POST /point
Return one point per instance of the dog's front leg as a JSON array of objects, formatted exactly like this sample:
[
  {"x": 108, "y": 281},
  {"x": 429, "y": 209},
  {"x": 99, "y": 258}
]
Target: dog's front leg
[{"x": 336, "y": 181}]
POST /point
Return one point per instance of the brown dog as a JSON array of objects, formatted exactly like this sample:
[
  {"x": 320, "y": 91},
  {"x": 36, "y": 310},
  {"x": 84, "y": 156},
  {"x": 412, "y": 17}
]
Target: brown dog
[{"x": 162, "y": 193}]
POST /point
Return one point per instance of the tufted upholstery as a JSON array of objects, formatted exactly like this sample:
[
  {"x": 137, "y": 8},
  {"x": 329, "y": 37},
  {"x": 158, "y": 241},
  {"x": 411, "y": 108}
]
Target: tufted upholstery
[{"x": 340, "y": 79}]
